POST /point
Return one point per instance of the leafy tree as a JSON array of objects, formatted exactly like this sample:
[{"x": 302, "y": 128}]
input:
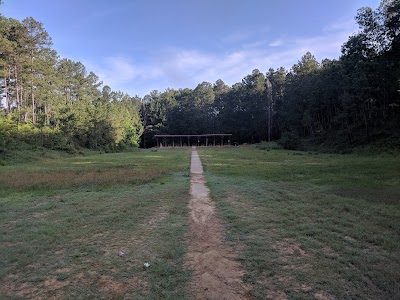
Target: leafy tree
[
  {"x": 277, "y": 79},
  {"x": 353, "y": 100}
]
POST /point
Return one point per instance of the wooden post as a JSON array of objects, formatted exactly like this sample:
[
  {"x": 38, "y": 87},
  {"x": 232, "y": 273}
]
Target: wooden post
[
  {"x": 214, "y": 140},
  {"x": 180, "y": 140}
]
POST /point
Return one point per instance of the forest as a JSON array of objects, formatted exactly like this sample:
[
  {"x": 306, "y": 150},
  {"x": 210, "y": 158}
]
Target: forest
[{"x": 342, "y": 103}]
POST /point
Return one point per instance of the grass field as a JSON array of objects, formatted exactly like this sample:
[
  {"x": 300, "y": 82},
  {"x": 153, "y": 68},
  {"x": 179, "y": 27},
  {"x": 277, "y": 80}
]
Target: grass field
[
  {"x": 64, "y": 222},
  {"x": 310, "y": 226},
  {"x": 306, "y": 225}
]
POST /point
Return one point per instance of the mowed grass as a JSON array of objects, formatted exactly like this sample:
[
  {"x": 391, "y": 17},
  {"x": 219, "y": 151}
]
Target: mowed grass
[
  {"x": 310, "y": 226},
  {"x": 64, "y": 221}
]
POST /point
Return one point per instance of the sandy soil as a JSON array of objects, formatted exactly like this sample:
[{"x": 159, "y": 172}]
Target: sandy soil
[{"x": 216, "y": 272}]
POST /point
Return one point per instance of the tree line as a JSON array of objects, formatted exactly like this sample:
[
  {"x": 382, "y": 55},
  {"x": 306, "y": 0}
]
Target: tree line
[
  {"x": 346, "y": 102},
  {"x": 55, "y": 102},
  {"x": 351, "y": 101}
]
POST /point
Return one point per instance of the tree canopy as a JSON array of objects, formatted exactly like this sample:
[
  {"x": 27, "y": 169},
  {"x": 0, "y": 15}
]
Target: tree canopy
[
  {"x": 354, "y": 100},
  {"x": 54, "y": 102},
  {"x": 350, "y": 101}
]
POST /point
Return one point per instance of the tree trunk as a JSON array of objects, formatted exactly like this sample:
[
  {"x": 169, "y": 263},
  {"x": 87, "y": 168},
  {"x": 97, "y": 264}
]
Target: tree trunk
[
  {"x": 6, "y": 92},
  {"x": 269, "y": 101},
  {"x": 26, "y": 114},
  {"x": 269, "y": 122},
  {"x": 20, "y": 98},
  {"x": 46, "y": 115},
  {"x": 366, "y": 127},
  {"x": 33, "y": 107},
  {"x": 349, "y": 132},
  {"x": 32, "y": 92},
  {"x": 16, "y": 87},
  {"x": 384, "y": 106}
]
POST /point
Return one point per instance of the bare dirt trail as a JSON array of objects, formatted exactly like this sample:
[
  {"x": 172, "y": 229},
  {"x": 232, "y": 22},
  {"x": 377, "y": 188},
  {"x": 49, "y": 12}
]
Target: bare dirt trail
[{"x": 216, "y": 272}]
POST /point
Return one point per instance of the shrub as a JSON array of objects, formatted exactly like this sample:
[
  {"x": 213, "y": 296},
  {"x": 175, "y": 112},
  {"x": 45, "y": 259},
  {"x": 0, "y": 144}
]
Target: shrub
[
  {"x": 290, "y": 140},
  {"x": 268, "y": 146}
]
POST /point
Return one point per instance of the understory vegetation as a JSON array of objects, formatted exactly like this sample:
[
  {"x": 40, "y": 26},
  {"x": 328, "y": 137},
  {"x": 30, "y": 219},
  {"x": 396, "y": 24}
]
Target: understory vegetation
[{"x": 310, "y": 225}]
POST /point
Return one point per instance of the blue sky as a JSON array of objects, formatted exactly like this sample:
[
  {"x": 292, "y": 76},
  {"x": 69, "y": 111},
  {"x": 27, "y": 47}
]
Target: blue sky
[{"x": 137, "y": 46}]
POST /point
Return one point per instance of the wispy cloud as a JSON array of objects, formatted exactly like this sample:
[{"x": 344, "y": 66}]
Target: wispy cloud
[
  {"x": 255, "y": 44},
  {"x": 120, "y": 73},
  {"x": 114, "y": 69},
  {"x": 179, "y": 67},
  {"x": 341, "y": 25},
  {"x": 121, "y": 68},
  {"x": 235, "y": 37},
  {"x": 276, "y": 43},
  {"x": 193, "y": 67}
]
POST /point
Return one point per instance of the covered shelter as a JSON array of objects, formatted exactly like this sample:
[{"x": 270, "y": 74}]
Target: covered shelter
[{"x": 181, "y": 140}]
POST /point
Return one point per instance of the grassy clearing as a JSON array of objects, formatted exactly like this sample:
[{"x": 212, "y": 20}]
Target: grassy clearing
[
  {"x": 311, "y": 226},
  {"x": 64, "y": 221}
]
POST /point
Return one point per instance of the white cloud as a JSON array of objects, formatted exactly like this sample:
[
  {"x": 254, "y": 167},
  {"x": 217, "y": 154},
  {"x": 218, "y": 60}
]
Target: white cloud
[
  {"x": 342, "y": 25},
  {"x": 121, "y": 68},
  {"x": 235, "y": 37},
  {"x": 276, "y": 43},
  {"x": 112, "y": 69},
  {"x": 253, "y": 45},
  {"x": 120, "y": 72},
  {"x": 194, "y": 66},
  {"x": 180, "y": 68}
]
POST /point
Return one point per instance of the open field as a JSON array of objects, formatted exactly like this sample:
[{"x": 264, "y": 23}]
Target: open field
[
  {"x": 64, "y": 221},
  {"x": 305, "y": 225},
  {"x": 310, "y": 226}
]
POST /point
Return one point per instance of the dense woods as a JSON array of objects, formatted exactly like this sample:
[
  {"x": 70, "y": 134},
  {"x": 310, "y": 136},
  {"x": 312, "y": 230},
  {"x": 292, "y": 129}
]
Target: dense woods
[
  {"x": 56, "y": 103},
  {"x": 352, "y": 101},
  {"x": 347, "y": 102}
]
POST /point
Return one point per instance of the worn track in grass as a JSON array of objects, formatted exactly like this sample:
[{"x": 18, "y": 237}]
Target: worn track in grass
[{"x": 216, "y": 272}]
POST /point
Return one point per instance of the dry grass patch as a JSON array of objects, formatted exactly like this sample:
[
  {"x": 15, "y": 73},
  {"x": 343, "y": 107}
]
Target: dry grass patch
[
  {"x": 62, "y": 230},
  {"x": 67, "y": 178},
  {"x": 289, "y": 249}
]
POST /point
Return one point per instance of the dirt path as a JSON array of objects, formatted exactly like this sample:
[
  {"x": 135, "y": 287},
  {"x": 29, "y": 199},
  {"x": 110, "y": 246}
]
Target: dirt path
[{"x": 216, "y": 273}]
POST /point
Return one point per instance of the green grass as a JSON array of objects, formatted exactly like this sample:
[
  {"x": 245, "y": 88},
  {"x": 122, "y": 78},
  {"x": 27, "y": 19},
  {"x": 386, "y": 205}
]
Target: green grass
[
  {"x": 310, "y": 225},
  {"x": 306, "y": 225},
  {"x": 64, "y": 220}
]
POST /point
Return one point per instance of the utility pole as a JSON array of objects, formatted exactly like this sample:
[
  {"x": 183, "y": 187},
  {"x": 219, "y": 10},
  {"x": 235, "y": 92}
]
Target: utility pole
[
  {"x": 269, "y": 106},
  {"x": 144, "y": 123}
]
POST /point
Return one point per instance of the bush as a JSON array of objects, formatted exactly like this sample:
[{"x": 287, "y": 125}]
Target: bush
[
  {"x": 290, "y": 140},
  {"x": 14, "y": 136},
  {"x": 268, "y": 146}
]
